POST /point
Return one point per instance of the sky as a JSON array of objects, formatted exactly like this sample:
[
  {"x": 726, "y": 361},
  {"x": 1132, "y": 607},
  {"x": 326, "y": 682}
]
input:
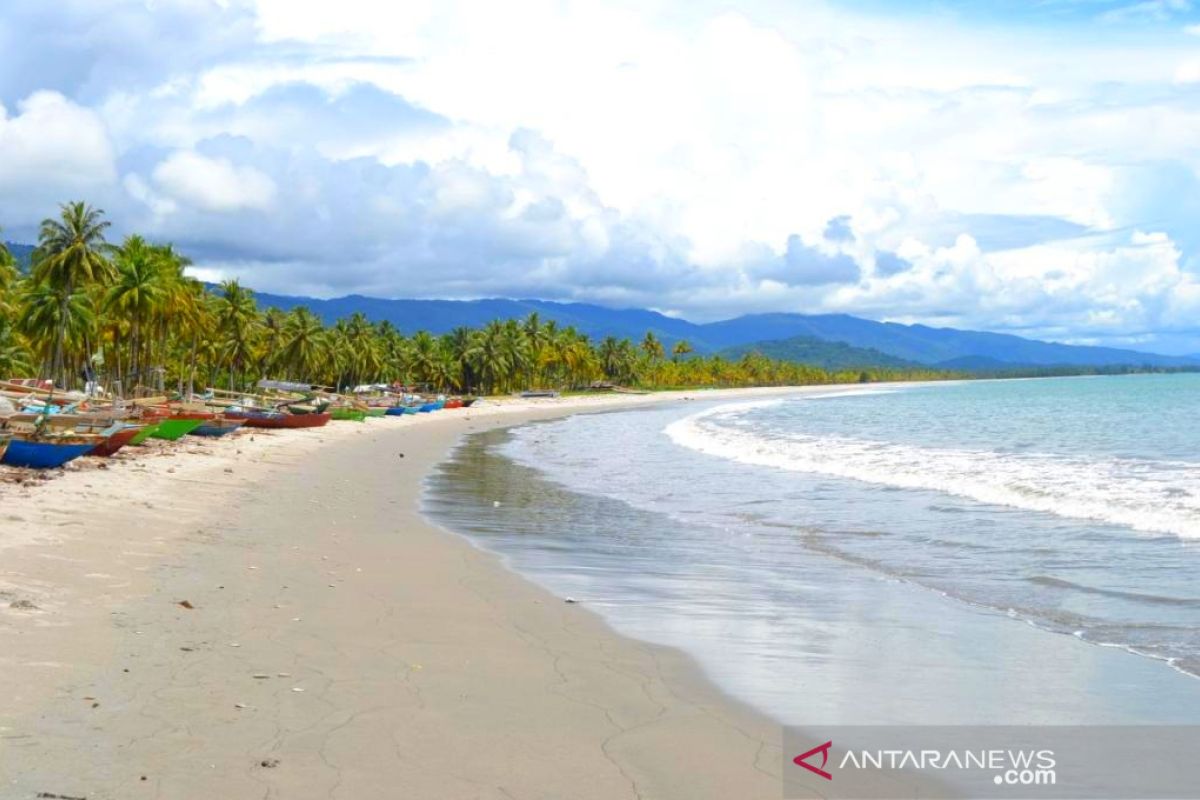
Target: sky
[{"x": 1025, "y": 167}]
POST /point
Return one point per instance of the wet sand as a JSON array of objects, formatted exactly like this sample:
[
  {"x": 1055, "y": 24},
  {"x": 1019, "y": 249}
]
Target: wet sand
[{"x": 276, "y": 619}]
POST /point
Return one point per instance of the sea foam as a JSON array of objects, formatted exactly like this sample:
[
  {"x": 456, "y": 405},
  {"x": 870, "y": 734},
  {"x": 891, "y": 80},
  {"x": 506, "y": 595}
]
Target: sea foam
[{"x": 1145, "y": 495}]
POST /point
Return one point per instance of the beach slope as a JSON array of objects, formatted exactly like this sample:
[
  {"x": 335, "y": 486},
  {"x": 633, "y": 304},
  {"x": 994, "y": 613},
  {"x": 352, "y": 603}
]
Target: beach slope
[{"x": 280, "y": 621}]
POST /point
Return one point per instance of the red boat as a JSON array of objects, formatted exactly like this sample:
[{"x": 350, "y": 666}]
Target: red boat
[
  {"x": 204, "y": 415},
  {"x": 454, "y": 402},
  {"x": 115, "y": 442},
  {"x": 275, "y": 419}
]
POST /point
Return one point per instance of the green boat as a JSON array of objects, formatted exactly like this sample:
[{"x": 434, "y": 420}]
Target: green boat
[
  {"x": 144, "y": 434},
  {"x": 347, "y": 414},
  {"x": 374, "y": 411},
  {"x": 172, "y": 429}
]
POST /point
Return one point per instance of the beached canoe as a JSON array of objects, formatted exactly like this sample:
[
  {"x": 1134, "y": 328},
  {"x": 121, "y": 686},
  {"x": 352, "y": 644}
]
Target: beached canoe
[
  {"x": 47, "y": 453},
  {"x": 115, "y": 442},
  {"x": 268, "y": 419},
  {"x": 200, "y": 415},
  {"x": 144, "y": 433},
  {"x": 172, "y": 429},
  {"x": 376, "y": 411},
  {"x": 347, "y": 414},
  {"x": 217, "y": 427},
  {"x": 454, "y": 402},
  {"x": 396, "y": 411}
]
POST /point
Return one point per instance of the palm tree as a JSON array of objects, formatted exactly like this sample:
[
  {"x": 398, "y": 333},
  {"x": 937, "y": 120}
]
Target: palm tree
[
  {"x": 71, "y": 254},
  {"x": 423, "y": 357},
  {"x": 14, "y": 356},
  {"x": 462, "y": 345},
  {"x": 303, "y": 340},
  {"x": 237, "y": 320},
  {"x": 44, "y": 312},
  {"x": 651, "y": 346},
  {"x": 681, "y": 348},
  {"x": 138, "y": 293},
  {"x": 9, "y": 275},
  {"x": 491, "y": 357}
]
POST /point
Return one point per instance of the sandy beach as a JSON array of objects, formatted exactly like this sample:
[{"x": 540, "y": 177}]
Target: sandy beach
[{"x": 271, "y": 616}]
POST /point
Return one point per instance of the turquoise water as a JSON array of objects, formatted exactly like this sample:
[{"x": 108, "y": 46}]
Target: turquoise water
[{"x": 1020, "y": 551}]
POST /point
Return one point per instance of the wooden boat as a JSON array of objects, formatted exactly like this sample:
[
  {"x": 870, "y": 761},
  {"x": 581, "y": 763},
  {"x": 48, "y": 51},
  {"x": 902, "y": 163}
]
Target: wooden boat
[
  {"x": 172, "y": 429},
  {"x": 347, "y": 414},
  {"x": 275, "y": 419},
  {"x": 454, "y": 402},
  {"x": 5, "y": 438},
  {"x": 48, "y": 451},
  {"x": 204, "y": 416},
  {"x": 375, "y": 411},
  {"x": 411, "y": 409},
  {"x": 110, "y": 446},
  {"x": 145, "y": 433},
  {"x": 396, "y": 411},
  {"x": 217, "y": 427}
]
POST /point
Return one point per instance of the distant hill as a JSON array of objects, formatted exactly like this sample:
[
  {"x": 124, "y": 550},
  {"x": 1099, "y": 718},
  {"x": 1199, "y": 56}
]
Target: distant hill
[
  {"x": 818, "y": 352},
  {"x": 21, "y": 253},
  {"x": 921, "y": 344}
]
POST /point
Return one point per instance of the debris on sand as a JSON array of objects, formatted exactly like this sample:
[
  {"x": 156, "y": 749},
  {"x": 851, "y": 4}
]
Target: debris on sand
[
  {"x": 23, "y": 605},
  {"x": 187, "y": 604},
  {"x": 269, "y": 763}
]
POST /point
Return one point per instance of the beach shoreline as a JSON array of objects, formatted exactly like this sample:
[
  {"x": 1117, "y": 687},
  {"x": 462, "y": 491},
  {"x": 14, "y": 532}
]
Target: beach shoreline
[{"x": 276, "y": 618}]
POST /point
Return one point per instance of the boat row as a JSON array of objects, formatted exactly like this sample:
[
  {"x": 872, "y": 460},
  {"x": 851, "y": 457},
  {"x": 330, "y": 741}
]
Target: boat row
[{"x": 43, "y": 430}]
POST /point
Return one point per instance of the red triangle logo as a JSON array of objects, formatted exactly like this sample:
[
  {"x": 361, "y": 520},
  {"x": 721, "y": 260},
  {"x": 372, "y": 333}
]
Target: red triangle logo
[{"x": 823, "y": 749}]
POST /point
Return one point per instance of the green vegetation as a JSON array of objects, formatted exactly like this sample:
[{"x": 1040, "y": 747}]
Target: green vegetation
[{"x": 127, "y": 312}]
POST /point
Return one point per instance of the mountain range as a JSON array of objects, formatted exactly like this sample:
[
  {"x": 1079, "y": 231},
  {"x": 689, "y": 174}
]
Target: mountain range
[{"x": 875, "y": 343}]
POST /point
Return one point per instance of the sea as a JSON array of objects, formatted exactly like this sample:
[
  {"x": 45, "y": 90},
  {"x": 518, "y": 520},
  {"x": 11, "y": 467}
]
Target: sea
[{"x": 977, "y": 552}]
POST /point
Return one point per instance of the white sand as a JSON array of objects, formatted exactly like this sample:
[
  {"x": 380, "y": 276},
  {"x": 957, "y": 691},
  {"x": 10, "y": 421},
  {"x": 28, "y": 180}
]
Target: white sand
[{"x": 333, "y": 631}]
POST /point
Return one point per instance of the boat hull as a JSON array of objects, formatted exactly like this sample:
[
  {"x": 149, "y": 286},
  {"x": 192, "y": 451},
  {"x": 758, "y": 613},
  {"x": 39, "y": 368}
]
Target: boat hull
[
  {"x": 217, "y": 427},
  {"x": 280, "y": 420},
  {"x": 347, "y": 414},
  {"x": 173, "y": 429},
  {"x": 114, "y": 443},
  {"x": 44, "y": 455}
]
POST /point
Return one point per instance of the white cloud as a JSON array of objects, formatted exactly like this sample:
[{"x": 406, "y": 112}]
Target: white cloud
[
  {"x": 683, "y": 155},
  {"x": 214, "y": 184},
  {"x": 53, "y": 145}
]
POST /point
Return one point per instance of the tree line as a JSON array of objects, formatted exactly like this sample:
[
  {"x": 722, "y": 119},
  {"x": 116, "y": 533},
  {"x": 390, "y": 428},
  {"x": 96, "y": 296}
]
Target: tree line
[{"x": 87, "y": 308}]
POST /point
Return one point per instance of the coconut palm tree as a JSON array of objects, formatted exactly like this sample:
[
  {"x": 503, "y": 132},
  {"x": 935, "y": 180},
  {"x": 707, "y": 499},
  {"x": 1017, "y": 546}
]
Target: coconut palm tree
[
  {"x": 237, "y": 321},
  {"x": 303, "y": 341},
  {"x": 14, "y": 356},
  {"x": 44, "y": 313},
  {"x": 462, "y": 345},
  {"x": 70, "y": 255},
  {"x": 681, "y": 348},
  {"x": 137, "y": 294}
]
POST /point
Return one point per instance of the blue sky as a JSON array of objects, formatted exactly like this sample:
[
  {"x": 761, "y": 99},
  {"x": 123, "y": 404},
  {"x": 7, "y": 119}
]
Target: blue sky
[{"x": 1023, "y": 167}]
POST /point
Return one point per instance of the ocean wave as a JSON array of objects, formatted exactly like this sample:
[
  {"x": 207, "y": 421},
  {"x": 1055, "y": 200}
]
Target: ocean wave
[{"x": 1145, "y": 495}]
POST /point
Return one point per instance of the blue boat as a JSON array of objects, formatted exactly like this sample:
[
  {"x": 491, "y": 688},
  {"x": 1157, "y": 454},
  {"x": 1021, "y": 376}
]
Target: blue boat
[
  {"x": 425, "y": 409},
  {"x": 217, "y": 427},
  {"x": 396, "y": 411},
  {"x": 45, "y": 454}
]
